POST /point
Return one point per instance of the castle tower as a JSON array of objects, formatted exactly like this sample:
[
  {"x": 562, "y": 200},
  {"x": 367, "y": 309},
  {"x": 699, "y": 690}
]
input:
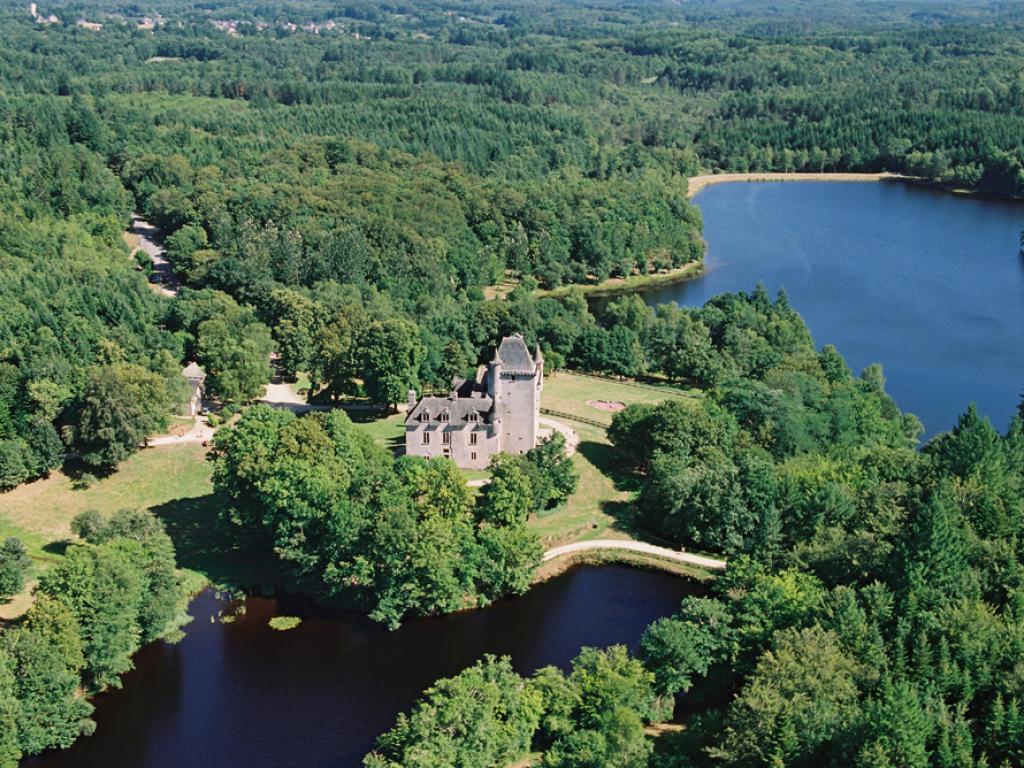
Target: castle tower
[{"x": 515, "y": 379}]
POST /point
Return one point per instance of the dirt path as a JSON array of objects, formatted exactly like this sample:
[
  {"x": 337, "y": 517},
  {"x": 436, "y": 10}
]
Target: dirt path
[
  {"x": 571, "y": 438},
  {"x": 636, "y": 546},
  {"x": 200, "y": 432},
  {"x": 163, "y": 279},
  {"x": 697, "y": 183}
]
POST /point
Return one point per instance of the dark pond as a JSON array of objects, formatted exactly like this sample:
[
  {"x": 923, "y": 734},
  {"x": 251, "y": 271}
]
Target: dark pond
[
  {"x": 929, "y": 284},
  {"x": 241, "y": 695}
]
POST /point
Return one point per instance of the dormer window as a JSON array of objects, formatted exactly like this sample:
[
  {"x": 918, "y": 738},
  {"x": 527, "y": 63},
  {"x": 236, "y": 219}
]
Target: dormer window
[
  {"x": 473, "y": 416},
  {"x": 444, "y": 417},
  {"x": 424, "y": 416}
]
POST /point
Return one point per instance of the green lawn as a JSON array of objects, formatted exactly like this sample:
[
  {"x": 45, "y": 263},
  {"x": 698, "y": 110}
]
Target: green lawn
[
  {"x": 601, "y": 507},
  {"x": 570, "y": 392},
  {"x": 160, "y": 479},
  {"x": 388, "y": 432}
]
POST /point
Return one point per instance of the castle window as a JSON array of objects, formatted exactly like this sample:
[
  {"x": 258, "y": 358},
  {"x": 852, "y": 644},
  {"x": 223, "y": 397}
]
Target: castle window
[
  {"x": 472, "y": 456},
  {"x": 426, "y": 438},
  {"x": 446, "y": 438},
  {"x": 472, "y": 438}
]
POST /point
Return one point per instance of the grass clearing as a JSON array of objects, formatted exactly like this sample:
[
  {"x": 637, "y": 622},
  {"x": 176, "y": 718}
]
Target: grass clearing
[
  {"x": 568, "y": 393},
  {"x": 388, "y": 432},
  {"x": 151, "y": 477},
  {"x": 40, "y": 513},
  {"x": 602, "y": 505}
]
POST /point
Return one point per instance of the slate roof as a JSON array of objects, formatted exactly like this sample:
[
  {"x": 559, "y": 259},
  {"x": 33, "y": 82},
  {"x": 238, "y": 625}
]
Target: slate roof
[
  {"x": 457, "y": 408},
  {"x": 193, "y": 371},
  {"x": 468, "y": 396},
  {"x": 514, "y": 354}
]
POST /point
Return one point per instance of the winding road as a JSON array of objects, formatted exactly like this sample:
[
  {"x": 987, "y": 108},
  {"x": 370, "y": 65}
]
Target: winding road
[
  {"x": 163, "y": 280},
  {"x": 636, "y": 546}
]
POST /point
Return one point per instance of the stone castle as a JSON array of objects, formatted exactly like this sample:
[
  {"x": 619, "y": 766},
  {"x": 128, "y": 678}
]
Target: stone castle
[{"x": 496, "y": 412}]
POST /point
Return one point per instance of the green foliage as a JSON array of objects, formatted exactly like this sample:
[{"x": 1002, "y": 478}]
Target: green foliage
[
  {"x": 45, "y": 653},
  {"x": 484, "y": 717},
  {"x": 70, "y": 299},
  {"x": 800, "y": 698},
  {"x": 686, "y": 646},
  {"x": 391, "y": 353},
  {"x": 154, "y": 558},
  {"x": 101, "y": 586},
  {"x": 121, "y": 587},
  {"x": 10, "y": 709},
  {"x": 351, "y": 524},
  {"x": 14, "y": 566},
  {"x": 234, "y": 349},
  {"x": 122, "y": 404}
]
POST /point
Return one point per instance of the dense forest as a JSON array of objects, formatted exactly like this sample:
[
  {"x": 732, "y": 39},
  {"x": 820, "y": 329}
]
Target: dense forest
[
  {"x": 355, "y": 177},
  {"x": 346, "y": 186}
]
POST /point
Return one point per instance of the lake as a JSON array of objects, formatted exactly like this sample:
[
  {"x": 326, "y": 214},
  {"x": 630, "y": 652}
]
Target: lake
[
  {"x": 927, "y": 283},
  {"x": 242, "y": 695}
]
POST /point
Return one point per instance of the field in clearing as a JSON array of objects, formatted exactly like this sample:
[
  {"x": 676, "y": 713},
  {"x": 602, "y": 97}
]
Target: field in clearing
[
  {"x": 40, "y": 513},
  {"x": 569, "y": 393}
]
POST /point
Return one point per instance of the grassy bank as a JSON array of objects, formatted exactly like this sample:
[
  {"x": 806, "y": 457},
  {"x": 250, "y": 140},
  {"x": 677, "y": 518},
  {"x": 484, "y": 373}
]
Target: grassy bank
[
  {"x": 40, "y": 513},
  {"x": 601, "y": 507},
  {"x": 615, "y": 286}
]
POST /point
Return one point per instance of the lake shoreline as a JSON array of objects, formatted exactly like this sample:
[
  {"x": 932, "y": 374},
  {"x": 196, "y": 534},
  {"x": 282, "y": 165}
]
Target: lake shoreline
[
  {"x": 619, "y": 286},
  {"x": 595, "y": 558},
  {"x": 696, "y": 184}
]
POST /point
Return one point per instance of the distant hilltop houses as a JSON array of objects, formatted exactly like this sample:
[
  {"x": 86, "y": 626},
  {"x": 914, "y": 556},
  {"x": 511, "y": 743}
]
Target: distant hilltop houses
[
  {"x": 498, "y": 411},
  {"x": 231, "y": 26},
  {"x": 146, "y": 23}
]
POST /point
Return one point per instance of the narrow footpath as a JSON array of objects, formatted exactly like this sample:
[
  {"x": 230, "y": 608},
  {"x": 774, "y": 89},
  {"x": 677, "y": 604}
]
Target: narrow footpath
[{"x": 636, "y": 546}]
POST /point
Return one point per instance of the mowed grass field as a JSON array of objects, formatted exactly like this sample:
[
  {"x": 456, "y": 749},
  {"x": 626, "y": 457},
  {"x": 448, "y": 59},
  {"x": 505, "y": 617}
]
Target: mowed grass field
[
  {"x": 570, "y": 392},
  {"x": 40, "y": 513},
  {"x": 601, "y": 506}
]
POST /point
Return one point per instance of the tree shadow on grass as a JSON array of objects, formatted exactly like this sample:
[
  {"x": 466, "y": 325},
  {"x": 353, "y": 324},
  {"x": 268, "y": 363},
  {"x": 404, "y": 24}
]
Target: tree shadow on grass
[
  {"x": 206, "y": 543},
  {"x": 58, "y": 548},
  {"x": 83, "y": 475},
  {"x": 609, "y": 463}
]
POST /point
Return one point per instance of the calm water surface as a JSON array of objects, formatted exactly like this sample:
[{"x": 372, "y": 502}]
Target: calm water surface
[
  {"x": 929, "y": 284},
  {"x": 242, "y": 695}
]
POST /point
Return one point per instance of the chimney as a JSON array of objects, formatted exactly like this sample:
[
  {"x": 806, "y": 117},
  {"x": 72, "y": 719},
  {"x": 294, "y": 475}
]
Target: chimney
[{"x": 412, "y": 399}]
